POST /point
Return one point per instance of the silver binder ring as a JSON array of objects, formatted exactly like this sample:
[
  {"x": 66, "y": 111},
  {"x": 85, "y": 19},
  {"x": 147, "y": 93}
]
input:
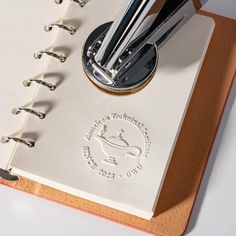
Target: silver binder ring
[
  {"x": 60, "y": 57},
  {"x": 39, "y": 114},
  {"x": 47, "y": 84},
  {"x": 81, "y": 3},
  {"x": 28, "y": 142},
  {"x": 8, "y": 176},
  {"x": 58, "y": 1},
  {"x": 70, "y": 29}
]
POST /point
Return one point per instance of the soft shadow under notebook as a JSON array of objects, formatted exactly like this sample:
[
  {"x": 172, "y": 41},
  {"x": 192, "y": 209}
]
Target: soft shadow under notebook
[{"x": 77, "y": 145}]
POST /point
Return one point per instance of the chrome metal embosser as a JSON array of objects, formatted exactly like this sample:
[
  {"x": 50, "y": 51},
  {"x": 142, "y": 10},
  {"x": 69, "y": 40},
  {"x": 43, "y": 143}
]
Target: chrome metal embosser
[{"x": 122, "y": 56}]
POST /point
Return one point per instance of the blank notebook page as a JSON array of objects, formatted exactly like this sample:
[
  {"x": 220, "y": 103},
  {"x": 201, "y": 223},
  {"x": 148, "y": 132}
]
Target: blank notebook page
[{"x": 114, "y": 150}]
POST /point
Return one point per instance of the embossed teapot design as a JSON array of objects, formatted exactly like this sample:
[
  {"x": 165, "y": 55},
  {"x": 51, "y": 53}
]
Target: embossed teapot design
[{"x": 116, "y": 147}]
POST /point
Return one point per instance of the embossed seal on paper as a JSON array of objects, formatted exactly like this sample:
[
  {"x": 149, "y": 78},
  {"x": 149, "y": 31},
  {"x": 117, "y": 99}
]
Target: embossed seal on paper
[{"x": 116, "y": 146}]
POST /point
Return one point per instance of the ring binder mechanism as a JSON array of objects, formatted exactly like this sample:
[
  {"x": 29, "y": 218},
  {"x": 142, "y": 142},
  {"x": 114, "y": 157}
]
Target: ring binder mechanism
[
  {"x": 6, "y": 174},
  {"x": 28, "y": 142},
  {"x": 39, "y": 114},
  {"x": 60, "y": 57},
  {"x": 51, "y": 86},
  {"x": 70, "y": 29},
  {"x": 81, "y": 3}
]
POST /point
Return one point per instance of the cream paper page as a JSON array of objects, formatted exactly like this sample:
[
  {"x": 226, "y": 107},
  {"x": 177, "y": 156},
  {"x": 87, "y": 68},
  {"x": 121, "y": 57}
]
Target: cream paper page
[
  {"x": 114, "y": 150},
  {"x": 22, "y": 34}
]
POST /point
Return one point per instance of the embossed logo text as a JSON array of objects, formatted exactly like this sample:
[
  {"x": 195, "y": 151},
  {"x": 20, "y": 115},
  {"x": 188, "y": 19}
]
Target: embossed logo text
[{"x": 117, "y": 146}]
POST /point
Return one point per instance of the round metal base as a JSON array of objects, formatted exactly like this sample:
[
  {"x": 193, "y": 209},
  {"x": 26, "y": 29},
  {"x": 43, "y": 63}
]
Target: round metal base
[{"x": 129, "y": 80}]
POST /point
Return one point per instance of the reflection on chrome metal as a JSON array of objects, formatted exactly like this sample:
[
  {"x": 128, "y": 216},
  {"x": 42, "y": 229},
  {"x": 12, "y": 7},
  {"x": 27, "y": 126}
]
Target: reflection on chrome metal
[
  {"x": 122, "y": 56},
  {"x": 60, "y": 57},
  {"x": 39, "y": 114},
  {"x": 51, "y": 86},
  {"x": 70, "y": 29},
  {"x": 122, "y": 31},
  {"x": 28, "y": 142}
]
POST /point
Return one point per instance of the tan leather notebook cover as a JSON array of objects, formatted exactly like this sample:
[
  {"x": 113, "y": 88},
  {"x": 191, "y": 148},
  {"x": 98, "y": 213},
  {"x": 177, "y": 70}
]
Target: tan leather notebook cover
[{"x": 192, "y": 150}]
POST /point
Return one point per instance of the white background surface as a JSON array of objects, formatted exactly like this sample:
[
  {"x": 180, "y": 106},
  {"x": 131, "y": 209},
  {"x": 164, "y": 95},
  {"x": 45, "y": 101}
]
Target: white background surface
[{"x": 214, "y": 212}]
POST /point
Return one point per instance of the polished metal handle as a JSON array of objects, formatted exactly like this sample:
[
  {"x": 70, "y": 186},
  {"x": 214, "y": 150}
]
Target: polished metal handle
[
  {"x": 122, "y": 31},
  {"x": 122, "y": 56}
]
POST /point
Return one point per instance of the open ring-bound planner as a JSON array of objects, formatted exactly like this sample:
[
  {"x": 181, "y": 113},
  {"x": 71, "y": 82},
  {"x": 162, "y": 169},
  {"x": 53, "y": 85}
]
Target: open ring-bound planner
[{"x": 120, "y": 156}]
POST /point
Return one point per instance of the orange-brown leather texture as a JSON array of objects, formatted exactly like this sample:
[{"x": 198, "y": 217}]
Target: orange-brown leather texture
[
  {"x": 197, "y": 4},
  {"x": 192, "y": 150}
]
